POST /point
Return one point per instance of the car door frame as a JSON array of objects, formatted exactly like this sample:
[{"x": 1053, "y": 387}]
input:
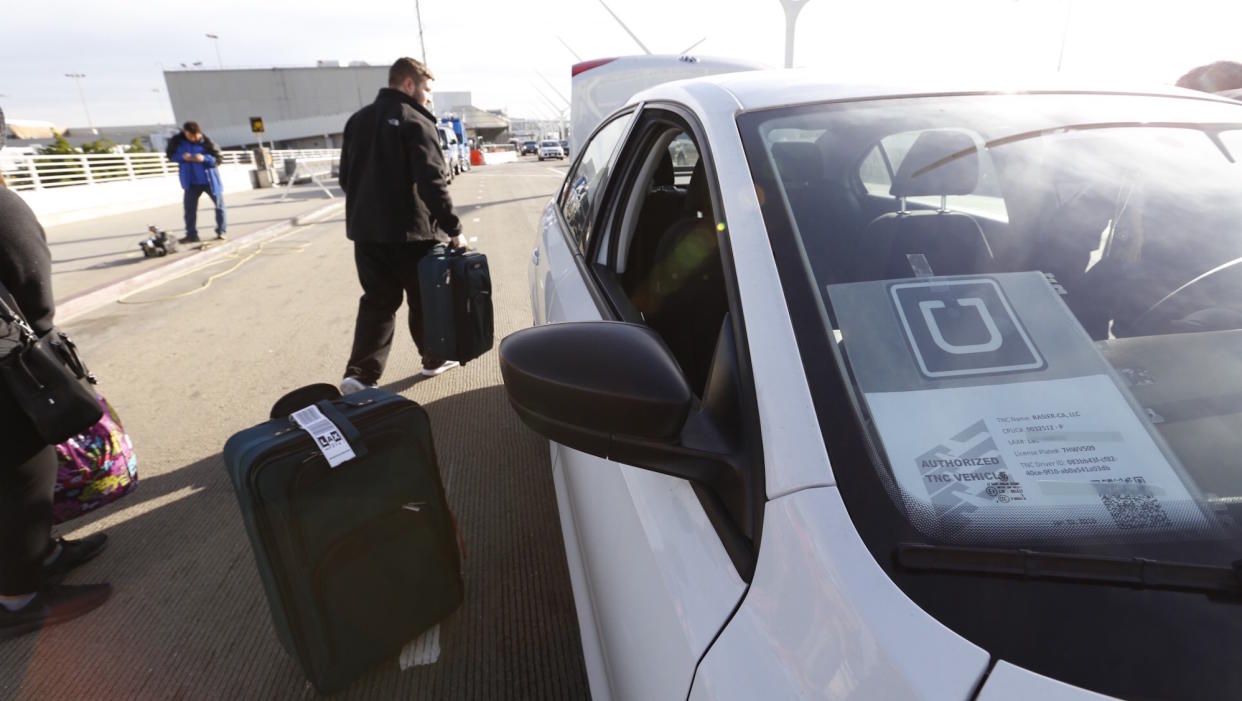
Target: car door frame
[
  {"x": 740, "y": 550},
  {"x": 740, "y": 540},
  {"x": 635, "y": 112}
]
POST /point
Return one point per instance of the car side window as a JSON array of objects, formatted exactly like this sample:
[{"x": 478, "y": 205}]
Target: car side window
[
  {"x": 669, "y": 266},
  {"x": 581, "y": 188}
]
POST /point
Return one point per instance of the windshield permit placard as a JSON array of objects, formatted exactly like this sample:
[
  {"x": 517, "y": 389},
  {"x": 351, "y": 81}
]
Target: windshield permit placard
[
  {"x": 1043, "y": 457},
  {"x": 1000, "y": 418}
]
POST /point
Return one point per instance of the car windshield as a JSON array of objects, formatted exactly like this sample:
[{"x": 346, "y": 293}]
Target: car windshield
[
  {"x": 1038, "y": 302},
  {"x": 551, "y": 144}
]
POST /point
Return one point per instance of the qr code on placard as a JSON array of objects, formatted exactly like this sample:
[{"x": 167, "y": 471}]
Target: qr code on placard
[{"x": 1132, "y": 505}]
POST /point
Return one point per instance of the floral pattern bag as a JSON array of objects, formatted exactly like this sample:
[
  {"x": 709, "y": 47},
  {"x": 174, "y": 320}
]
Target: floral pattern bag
[{"x": 95, "y": 467}]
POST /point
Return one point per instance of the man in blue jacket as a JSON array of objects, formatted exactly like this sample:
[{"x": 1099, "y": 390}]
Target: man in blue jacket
[{"x": 197, "y": 157}]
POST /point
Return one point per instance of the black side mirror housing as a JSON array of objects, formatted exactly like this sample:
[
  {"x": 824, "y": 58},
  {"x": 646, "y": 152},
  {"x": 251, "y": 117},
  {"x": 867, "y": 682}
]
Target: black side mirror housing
[
  {"x": 614, "y": 390},
  {"x": 582, "y": 383}
]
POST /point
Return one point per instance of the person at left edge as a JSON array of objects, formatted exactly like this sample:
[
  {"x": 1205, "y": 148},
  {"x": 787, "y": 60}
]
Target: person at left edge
[{"x": 197, "y": 157}]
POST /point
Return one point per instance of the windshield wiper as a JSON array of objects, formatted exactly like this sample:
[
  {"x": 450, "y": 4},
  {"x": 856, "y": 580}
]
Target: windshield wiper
[{"x": 1095, "y": 569}]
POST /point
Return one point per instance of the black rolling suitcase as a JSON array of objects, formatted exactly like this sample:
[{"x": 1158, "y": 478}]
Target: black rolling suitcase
[
  {"x": 357, "y": 559},
  {"x": 456, "y": 290}
]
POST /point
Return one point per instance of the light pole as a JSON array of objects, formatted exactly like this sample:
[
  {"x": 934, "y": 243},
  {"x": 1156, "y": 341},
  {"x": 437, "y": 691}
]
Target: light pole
[
  {"x": 633, "y": 36},
  {"x": 1069, "y": 11},
  {"x": 216, "y": 39},
  {"x": 77, "y": 80},
  {"x": 422, "y": 45},
  {"x": 792, "y": 8}
]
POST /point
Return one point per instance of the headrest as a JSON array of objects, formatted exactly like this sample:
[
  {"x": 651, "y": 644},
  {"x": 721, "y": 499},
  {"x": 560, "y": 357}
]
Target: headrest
[
  {"x": 798, "y": 161},
  {"x": 941, "y": 162},
  {"x": 664, "y": 172},
  {"x": 698, "y": 197}
]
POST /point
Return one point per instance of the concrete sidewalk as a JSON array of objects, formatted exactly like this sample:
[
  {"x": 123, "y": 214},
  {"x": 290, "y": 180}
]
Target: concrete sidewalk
[{"x": 91, "y": 254}]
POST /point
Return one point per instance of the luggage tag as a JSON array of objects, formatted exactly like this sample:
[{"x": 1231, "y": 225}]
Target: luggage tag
[{"x": 327, "y": 436}]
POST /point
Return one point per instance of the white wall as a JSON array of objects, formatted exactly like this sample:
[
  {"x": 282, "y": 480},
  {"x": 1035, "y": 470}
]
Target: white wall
[
  {"x": 492, "y": 158},
  {"x": 293, "y": 102},
  {"x": 69, "y": 204}
]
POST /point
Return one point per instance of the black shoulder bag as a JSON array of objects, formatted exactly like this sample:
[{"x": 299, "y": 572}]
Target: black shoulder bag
[{"x": 45, "y": 376}]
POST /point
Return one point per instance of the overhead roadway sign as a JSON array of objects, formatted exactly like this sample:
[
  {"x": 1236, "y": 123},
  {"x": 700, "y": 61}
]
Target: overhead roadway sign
[{"x": 256, "y": 125}]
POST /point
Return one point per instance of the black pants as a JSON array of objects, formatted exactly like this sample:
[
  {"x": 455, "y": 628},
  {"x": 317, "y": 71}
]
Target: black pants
[
  {"x": 190, "y": 202},
  {"x": 386, "y": 272},
  {"x": 25, "y": 518}
]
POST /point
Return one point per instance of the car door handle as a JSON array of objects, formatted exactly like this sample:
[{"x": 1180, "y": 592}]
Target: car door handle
[{"x": 534, "y": 257}]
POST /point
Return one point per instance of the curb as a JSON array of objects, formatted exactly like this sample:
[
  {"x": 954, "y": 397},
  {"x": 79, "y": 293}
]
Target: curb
[{"x": 90, "y": 300}]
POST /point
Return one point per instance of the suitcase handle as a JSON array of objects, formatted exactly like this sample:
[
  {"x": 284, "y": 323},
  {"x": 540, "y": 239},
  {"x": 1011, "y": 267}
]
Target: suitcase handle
[
  {"x": 447, "y": 250},
  {"x": 350, "y": 432}
]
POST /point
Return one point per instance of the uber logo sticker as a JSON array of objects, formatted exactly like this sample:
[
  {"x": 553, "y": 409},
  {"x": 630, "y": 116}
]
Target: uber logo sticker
[{"x": 963, "y": 327}]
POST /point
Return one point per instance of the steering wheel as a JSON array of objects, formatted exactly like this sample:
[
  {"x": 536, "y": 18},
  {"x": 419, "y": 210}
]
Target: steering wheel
[{"x": 1226, "y": 278}]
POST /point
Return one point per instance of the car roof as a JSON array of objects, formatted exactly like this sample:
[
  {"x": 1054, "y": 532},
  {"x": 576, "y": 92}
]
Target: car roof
[{"x": 755, "y": 90}]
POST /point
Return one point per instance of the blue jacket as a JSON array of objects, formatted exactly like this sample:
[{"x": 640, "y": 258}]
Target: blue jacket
[{"x": 193, "y": 172}]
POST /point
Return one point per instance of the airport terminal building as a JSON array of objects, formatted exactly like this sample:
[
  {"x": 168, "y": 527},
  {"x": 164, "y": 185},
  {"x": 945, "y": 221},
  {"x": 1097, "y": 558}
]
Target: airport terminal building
[{"x": 301, "y": 108}]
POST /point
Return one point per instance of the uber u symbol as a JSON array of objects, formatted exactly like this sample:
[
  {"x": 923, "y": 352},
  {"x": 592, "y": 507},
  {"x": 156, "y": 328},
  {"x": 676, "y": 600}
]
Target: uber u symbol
[
  {"x": 994, "y": 336},
  {"x": 963, "y": 327}
]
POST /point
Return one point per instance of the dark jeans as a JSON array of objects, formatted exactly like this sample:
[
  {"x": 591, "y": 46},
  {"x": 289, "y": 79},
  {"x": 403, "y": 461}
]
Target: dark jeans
[
  {"x": 26, "y": 488},
  {"x": 192, "y": 195},
  {"x": 385, "y": 270}
]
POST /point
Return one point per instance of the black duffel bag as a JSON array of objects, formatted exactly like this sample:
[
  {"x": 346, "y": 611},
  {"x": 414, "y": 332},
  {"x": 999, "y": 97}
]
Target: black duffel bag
[{"x": 45, "y": 376}]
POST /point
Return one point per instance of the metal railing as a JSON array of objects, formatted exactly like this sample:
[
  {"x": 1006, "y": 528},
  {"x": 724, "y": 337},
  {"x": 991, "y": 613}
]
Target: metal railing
[
  {"x": 317, "y": 169},
  {"x": 40, "y": 172}
]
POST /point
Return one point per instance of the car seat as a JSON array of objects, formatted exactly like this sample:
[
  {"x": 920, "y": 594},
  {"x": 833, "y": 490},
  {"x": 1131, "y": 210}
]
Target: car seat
[
  {"x": 687, "y": 284},
  {"x": 941, "y": 162},
  {"x": 663, "y": 204}
]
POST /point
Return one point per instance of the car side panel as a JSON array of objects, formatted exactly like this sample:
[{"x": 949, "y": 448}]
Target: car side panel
[
  {"x": 592, "y": 653},
  {"x": 549, "y": 243},
  {"x": 823, "y": 620}
]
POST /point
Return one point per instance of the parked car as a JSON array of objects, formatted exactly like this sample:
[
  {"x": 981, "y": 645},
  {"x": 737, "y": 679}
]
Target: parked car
[
  {"x": 890, "y": 394},
  {"x": 459, "y": 149},
  {"x": 448, "y": 152},
  {"x": 565, "y": 147},
  {"x": 551, "y": 149},
  {"x": 531, "y": 147}
]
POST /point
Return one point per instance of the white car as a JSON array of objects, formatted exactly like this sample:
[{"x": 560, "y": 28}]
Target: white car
[
  {"x": 551, "y": 149},
  {"x": 863, "y": 393}
]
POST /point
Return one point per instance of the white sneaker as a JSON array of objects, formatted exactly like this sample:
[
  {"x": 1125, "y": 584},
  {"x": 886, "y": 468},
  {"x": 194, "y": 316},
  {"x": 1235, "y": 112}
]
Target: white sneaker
[
  {"x": 442, "y": 368},
  {"x": 349, "y": 385}
]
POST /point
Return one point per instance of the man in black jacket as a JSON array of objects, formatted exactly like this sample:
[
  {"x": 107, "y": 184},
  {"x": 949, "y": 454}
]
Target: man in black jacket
[{"x": 397, "y": 207}]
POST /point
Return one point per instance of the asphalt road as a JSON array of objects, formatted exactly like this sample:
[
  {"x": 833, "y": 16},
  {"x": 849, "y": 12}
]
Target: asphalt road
[
  {"x": 95, "y": 252},
  {"x": 187, "y": 366}
]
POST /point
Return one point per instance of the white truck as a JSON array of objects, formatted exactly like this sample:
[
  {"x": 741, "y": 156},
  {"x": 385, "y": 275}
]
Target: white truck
[{"x": 602, "y": 85}]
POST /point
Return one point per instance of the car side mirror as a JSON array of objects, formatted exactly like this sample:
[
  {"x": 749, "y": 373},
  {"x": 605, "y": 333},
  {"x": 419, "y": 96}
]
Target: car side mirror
[
  {"x": 582, "y": 384},
  {"x": 615, "y": 391}
]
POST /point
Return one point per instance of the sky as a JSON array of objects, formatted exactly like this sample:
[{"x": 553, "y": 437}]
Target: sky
[{"x": 503, "y": 51}]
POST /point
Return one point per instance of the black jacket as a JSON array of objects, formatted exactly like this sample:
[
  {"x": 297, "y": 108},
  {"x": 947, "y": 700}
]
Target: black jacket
[
  {"x": 392, "y": 149},
  {"x": 26, "y": 271}
]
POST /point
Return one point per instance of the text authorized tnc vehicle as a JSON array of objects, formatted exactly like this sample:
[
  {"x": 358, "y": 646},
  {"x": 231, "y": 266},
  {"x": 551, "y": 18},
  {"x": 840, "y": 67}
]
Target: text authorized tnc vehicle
[{"x": 887, "y": 394}]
